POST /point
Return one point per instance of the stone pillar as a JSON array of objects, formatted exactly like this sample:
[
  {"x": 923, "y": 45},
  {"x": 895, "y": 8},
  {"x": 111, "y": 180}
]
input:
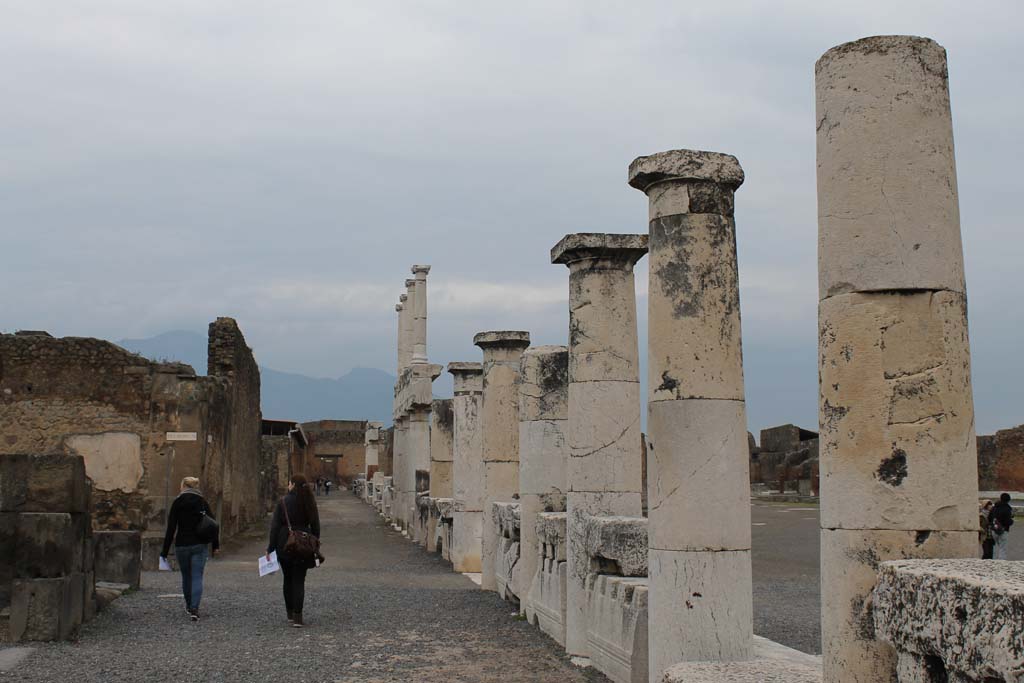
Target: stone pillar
[
  {"x": 467, "y": 467},
  {"x": 400, "y": 339},
  {"x": 400, "y": 465},
  {"x": 410, "y": 319},
  {"x": 372, "y": 443},
  {"x": 543, "y": 412},
  {"x": 701, "y": 604},
  {"x": 419, "y": 324},
  {"x": 499, "y": 428},
  {"x": 603, "y": 474},
  {"x": 418, "y": 462},
  {"x": 898, "y": 461},
  {"x": 441, "y": 421}
]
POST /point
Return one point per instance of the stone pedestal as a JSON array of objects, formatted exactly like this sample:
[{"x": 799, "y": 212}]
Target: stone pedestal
[
  {"x": 701, "y": 606},
  {"x": 603, "y": 474},
  {"x": 898, "y": 460},
  {"x": 499, "y": 428},
  {"x": 418, "y": 470},
  {"x": 400, "y": 465},
  {"x": 442, "y": 420},
  {"x": 543, "y": 451},
  {"x": 467, "y": 467}
]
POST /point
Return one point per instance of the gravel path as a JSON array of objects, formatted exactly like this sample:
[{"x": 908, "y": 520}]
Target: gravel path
[{"x": 380, "y": 610}]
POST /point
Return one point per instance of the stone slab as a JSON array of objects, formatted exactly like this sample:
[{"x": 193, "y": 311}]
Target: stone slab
[
  {"x": 757, "y": 671},
  {"x": 969, "y": 612},
  {"x": 119, "y": 557},
  {"x": 685, "y": 164},
  {"x": 41, "y": 609},
  {"x": 50, "y": 544},
  {"x": 43, "y": 483},
  {"x": 617, "y": 545}
]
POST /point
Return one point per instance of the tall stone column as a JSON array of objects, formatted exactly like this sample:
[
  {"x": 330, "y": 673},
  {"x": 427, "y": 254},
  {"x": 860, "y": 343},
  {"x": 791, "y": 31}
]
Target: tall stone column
[
  {"x": 467, "y": 467},
  {"x": 543, "y": 451},
  {"x": 400, "y": 345},
  {"x": 371, "y": 442},
  {"x": 499, "y": 427},
  {"x": 418, "y": 470},
  {"x": 604, "y": 471},
  {"x": 441, "y": 423},
  {"x": 699, "y": 576},
  {"x": 400, "y": 465},
  {"x": 898, "y": 461},
  {"x": 419, "y": 324}
]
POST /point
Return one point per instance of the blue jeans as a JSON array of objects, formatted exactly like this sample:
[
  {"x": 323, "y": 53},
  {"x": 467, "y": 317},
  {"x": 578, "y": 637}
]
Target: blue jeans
[
  {"x": 1002, "y": 545},
  {"x": 191, "y": 562}
]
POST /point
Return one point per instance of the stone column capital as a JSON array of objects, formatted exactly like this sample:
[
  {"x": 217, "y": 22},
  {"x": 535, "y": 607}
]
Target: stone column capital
[
  {"x": 403, "y": 297},
  {"x": 399, "y": 307},
  {"x": 468, "y": 377},
  {"x": 613, "y": 250},
  {"x": 410, "y": 283},
  {"x": 686, "y": 166},
  {"x": 420, "y": 272},
  {"x": 502, "y": 339}
]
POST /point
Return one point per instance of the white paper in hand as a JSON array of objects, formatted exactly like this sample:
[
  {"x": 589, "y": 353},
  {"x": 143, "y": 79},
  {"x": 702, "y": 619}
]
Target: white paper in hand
[
  {"x": 165, "y": 566},
  {"x": 269, "y": 566}
]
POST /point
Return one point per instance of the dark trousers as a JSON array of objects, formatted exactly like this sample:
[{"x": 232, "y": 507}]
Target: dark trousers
[
  {"x": 986, "y": 548},
  {"x": 294, "y": 586}
]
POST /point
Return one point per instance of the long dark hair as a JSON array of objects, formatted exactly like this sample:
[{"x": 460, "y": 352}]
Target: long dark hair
[{"x": 307, "y": 503}]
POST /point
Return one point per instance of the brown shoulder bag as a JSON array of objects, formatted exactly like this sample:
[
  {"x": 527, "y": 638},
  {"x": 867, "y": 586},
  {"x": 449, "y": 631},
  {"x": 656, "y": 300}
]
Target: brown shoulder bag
[{"x": 301, "y": 545}]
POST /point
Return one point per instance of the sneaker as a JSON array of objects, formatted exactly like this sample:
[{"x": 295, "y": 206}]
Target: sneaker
[
  {"x": 194, "y": 614},
  {"x": 297, "y": 620},
  {"x": 291, "y": 618}
]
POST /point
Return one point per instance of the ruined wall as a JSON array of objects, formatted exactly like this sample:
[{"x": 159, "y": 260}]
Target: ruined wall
[
  {"x": 337, "y": 450},
  {"x": 140, "y": 426},
  {"x": 1001, "y": 460},
  {"x": 788, "y": 455},
  {"x": 238, "y": 467}
]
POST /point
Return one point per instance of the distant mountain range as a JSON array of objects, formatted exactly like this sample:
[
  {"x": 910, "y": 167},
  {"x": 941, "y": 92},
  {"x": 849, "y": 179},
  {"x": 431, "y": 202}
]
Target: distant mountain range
[{"x": 362, "y": 394}]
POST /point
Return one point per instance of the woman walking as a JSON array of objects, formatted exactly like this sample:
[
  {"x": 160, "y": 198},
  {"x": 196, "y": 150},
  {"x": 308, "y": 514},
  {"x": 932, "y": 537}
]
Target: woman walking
[
  {"x": 295, "y": 512},
  {"x": 183, "y": 529}
]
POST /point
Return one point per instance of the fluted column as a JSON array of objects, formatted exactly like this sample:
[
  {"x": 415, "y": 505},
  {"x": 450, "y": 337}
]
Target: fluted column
[
  {"x": 467, "y": 467},
  {"x": 543, "y": 451},
  {"x": 898, "y": 458},
  {"x": 604, "y": 472},
  {"x": 699, "y": 574},
  {"x": 419, "y": 326},
  {"x": 499, "y": 425}
]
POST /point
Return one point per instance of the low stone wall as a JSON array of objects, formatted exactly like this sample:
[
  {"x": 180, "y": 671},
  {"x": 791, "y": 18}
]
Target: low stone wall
[
  {"x": 506, "y": 523},
  {"x": 47, "y": 585},
  {"x": 119, "y": 557},
  {"x": 545, "y": 606},
  {"x": 952, "y": 620},
  {"x": 617, "y": 597}
]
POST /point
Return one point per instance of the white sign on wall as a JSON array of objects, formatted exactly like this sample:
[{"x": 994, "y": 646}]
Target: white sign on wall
[{"x": 182, "y": 436}]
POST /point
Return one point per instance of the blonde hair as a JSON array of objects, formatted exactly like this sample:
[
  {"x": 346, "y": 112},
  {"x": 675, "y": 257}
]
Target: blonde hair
[{"x": 190, "y": 483}]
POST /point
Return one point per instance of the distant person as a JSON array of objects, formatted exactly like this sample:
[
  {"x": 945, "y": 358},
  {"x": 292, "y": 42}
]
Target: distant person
[
  {"x": 296, "y": 511},
  {"x": 319, "y": 485},
  {"x": 327, "y": 487},
  {"x": 984, "y": 532},
  {"x": 183, "y": 529},
  {"x": 1000, "y": 520}
]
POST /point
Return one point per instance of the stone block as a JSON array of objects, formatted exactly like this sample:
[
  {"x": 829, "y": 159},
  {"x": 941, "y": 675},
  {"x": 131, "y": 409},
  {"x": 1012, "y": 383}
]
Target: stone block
[
  {"x": 888, "y": 213},
  {"x": 547, "y": 602},
  {"x": 50, "y": 544},
  {"x": 756, "y": 671},
  {"x": 685, "y": 165},
  {"x": 968, "y": 613},
  {"x": 617, "y": 545},
  {"x": 604, "y": 439},
  {"x": 850, "y": 563},
  {"x": 152, "y": 544},
  {"x": 617, "y": 627},
  {"x": 602, "y": 325},
  {"x": 689, "y": 589},
  {"x": 907, "y": 442},
  {"x": 43, "y": 483},
  {"x": 89, "y": 606},
  {"x": 41, "y": 609},
  {"x": 693, "y": 305},
  {"x": 780, "y": 439},
  {"x": 467, "y": 531},
  {"x": 698, "y": 463},
  {"x": 8, "y": 553},
  {"x": 119, "y": 557},
  {"x": 544, "y": 383}
]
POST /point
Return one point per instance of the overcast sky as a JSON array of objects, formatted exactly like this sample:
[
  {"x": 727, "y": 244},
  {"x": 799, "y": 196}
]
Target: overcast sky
[{"x": 163, "y": 163}]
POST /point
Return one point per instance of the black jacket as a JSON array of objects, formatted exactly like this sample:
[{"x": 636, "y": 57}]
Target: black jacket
[
  {"x": 1004, "y": 513},
  {"x": 279, "y": 527},
  {"x": 186, "y": 511}
]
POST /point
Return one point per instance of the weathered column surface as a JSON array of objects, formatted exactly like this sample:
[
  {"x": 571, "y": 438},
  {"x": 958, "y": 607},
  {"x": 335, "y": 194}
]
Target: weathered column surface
[
  {"x": 400, "y": 345},
  {"x": 898, "y": 461},
  {"x": 699, "y": 576},
  {"x": 467, "y": 467},
  {"x": 543, "y": 413},
  {"x": 410, "y": 320},
  {"x": 419, "y": 325},
  {"x": 603, "y": 474},
  {"x": 499, "y": 428},
  {"x": 441, "y": 422}
]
